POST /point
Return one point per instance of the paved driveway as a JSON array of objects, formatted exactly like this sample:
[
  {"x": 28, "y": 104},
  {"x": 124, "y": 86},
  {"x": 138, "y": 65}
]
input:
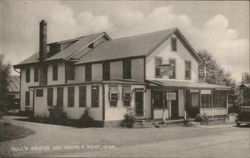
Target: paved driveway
[{"x": 55, "y": 140}]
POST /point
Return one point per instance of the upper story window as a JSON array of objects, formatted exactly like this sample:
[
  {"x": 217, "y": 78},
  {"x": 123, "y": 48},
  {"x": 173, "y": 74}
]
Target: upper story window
[
  {"x": 172, "y": 62},
  {"x": 55, "y": 72},
  {"x": 187, "y": 70},
  {"x": 158, "y": 63},
  {"x": 88, "y": 72},
  {"x": 36, "y": 74},
  {"x": 106, "y": 70},
  {"x": 174, "y": 44},
  {"x": 70, "y": 71},
  {"x": 127, "y": 69},
  {"x": 28, "y": 75}
]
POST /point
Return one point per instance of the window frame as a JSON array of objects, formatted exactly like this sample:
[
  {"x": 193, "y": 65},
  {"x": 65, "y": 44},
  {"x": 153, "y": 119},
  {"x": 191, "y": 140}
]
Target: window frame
[
  {"x": 188, "y": 69},
  {"x": 36, "y": 74},
  {"x": 174, "y": 44},
  {"x": 27, "y": 75},
  {"x": 71, "y": 97},
  {"x": 60, "y": 94},
  {"x": 158, "y": 67},
  {"x": 27, "y": 98},
  {"x": 50, "y": 96},
  {"x": 70, "y": 72},
  {"x": 106, "y": 71},
  {"x": 88, "y": 72},
  {"x": 127, "y": 69},
  {"x": 82, "y": 96},
  {"x": 95, "y": 97},
  {"x": 55, "y": 72},
  {"x": 174, "y": 70}
]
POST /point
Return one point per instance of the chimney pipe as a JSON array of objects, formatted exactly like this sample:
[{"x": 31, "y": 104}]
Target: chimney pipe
[{"x": 43, "y": 41}]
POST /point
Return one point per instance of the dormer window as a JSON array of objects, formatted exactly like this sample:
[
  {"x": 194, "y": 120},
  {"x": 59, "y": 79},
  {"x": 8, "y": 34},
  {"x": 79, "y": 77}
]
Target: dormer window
[{"x": 174, "y": 44}]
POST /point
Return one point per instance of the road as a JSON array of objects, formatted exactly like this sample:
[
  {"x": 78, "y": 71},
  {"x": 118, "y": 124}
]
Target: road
[
  {"x": 231, "y": 144},
  {"x": 216, "y": 141}
]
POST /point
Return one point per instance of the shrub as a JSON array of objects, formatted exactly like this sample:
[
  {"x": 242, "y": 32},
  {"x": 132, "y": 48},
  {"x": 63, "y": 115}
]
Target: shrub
[
  {"x": 128, "y": 121},
  {"x": 234, "y": 109},
  {"x": 86, "y": 120},
  {"x": 57, "y": 115}
]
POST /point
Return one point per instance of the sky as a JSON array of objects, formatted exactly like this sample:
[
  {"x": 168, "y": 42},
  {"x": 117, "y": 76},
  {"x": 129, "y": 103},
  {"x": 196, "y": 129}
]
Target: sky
[{"x": 219, "y": 27}]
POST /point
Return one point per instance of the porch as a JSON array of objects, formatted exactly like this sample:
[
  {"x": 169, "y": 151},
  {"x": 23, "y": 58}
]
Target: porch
[{"x": 172, "y": 100}]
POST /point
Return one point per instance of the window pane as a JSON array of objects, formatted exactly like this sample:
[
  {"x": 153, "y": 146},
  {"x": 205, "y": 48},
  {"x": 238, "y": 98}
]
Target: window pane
[
  {"x": 39, "y": 92},
  {"x": 50, "y": 97},
  {"x": 94, "y": 96},
  {"x": 88, "y": 72},
  {"x": 106, "y": 71},
  {"x": 60, "y": 96},
  {"x": 71, "y": 94},
  {"x": 27, "y": 98},
  {"x": 55, "y": 72},
  {"x": 127, "y": 69},
  {"x": 82, "y": 96},
  {"x": 172, "y": 63},
  {"x": 28, "y": 75},
  {"x": 36, "y": 74},
  {"x": 158, "y": 63}
]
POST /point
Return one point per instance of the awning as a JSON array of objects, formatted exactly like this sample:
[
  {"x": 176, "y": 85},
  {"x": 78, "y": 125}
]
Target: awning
[{"x": 187, "y": 84}]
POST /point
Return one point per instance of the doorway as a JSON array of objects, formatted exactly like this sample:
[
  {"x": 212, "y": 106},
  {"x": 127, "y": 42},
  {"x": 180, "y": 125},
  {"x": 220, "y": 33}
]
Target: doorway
[
  {"x": 139, "y": 103},
  {"x": 175, "y": 106}
]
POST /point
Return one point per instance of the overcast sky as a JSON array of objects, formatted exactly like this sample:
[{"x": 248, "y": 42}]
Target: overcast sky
[{"x": 222, "y": 28}]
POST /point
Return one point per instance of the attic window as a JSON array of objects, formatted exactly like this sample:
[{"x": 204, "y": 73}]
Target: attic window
[
  {"x": 91, "y": 45},
  {"x": 174, "y": 44}
]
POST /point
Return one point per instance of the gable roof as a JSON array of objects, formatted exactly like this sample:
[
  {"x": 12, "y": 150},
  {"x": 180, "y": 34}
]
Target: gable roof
[
  {"x": 79, "y": 43},
  {"x": 133, "y": 46}
]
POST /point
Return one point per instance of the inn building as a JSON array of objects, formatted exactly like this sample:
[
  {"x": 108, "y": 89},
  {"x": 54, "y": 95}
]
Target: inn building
[{"x": 156, "y": 75}]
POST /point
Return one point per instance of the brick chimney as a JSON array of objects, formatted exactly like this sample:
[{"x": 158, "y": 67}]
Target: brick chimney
[{"x": 43, "y": 41}]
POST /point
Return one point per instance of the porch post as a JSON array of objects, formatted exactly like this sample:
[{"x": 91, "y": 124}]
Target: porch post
[
  {"x": 227, "y": 103},
  {"x": 212, "y": 103},
  {"x": 164, "y": 97}
]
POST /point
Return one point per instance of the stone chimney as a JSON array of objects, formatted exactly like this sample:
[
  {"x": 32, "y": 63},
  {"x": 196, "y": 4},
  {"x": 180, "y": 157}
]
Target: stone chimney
[{"x": 43, "y": 41}]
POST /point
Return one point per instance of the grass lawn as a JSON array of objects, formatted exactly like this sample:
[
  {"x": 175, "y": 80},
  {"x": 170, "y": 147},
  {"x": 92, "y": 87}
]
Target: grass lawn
[{"x": 10, "y": 132}]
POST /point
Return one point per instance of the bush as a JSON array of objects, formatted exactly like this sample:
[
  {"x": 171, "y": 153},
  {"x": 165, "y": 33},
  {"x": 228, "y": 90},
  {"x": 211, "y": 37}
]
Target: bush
[
  {"x": 128, "y": 121},
  {"x": 57, "y": 115},
  {"x": 86, "y": 120},
  {"x": 234, "y": 109}
]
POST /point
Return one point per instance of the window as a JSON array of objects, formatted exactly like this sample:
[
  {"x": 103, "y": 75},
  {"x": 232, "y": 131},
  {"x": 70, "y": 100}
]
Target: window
[
  {"x": 158, "y": 63},
  {"x": 70, "y": 69},
  {"x": 28, "y": 75},
  {"x": 88, "y": 72},
  {"x": 36, "y": 74},
  {"x": 173, "y": 64},
  {"x": 113, "y": 99},
  {"x": 174, "y": 44},
  {"x": 27, "y": 98},
  {"x": 55, "y": 72},
  {"x": 187, "y": 70},
  {"x": 82, "y": 96},
  {"x": 50, "y": 97},
  {"x": 205, "y": 100},
  {"x": 106, "y": 71},
  {"x": 60, "y": 96},
  {"x": 71, "y": 94},
  {"x": 127, "y": 69},
  {"x": 157, "y": 99},
  {"x": 126, "y": 99},
  {"x": 219, "y": 99},
  {"x": 39, "y": 92},
  {"x": 95, "y": 96}
]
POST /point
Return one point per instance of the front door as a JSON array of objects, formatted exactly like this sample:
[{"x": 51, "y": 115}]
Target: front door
[
  {"x": 139, "y": 103},
  {"x": 174, "y": 107}
]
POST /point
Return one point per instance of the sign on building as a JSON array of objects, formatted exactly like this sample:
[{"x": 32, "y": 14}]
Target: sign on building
[
  {"x": 171, "y": 96},
  {"x": 167, "y": 69}
]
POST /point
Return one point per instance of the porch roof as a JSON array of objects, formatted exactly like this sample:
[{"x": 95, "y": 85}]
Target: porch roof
[{"x": 187, "y": 84}]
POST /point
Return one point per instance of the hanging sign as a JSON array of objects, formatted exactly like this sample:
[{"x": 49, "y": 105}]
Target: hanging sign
[{"x": 171, "y": 96}]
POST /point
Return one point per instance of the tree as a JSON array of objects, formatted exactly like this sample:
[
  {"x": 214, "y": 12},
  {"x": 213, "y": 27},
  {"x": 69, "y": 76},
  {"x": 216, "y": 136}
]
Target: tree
[
  {"x": 4, "y": 78},
  {"x": 215, "y": 74}
]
